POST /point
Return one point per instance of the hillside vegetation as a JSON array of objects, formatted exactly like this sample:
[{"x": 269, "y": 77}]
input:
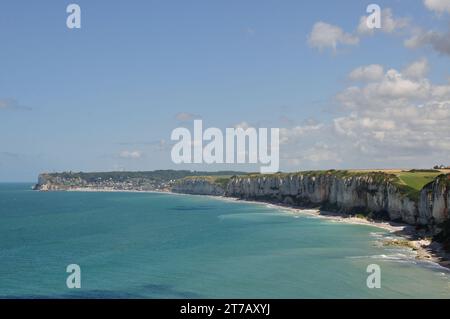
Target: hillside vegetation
[
  {"x": 221, "y": 180},
  {"x": 417, "y": 179},
  {"x": 124, "y": 176}
]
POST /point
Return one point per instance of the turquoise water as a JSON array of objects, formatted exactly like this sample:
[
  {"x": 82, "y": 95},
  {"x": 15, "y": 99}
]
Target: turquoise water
[{"x": 176, "y": 246}]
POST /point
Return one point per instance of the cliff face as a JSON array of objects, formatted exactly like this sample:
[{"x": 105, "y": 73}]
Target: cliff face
[
  {"x": 377, "y": 194},
  {"x": 434, "y": 203},
  {"x": 198, "y": 186},
  {"x": 364, "y": 194},
  {"x": 48, "y": 182}
]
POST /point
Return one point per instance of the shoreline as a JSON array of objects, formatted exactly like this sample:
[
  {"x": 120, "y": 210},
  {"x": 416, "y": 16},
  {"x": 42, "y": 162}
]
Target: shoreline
[
  {"x": 108, "y": 190},
  {"x": 425, "y": 249}
]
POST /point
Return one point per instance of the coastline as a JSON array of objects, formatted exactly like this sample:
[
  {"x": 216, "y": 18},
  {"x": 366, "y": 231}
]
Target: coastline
[
  {"x": 110, "y": 190},
  {"x": 425, "y": 249}
]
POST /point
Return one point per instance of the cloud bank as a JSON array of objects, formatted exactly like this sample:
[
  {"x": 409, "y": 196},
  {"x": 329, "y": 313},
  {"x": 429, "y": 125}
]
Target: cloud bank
[{"x": 396, "y": 115}]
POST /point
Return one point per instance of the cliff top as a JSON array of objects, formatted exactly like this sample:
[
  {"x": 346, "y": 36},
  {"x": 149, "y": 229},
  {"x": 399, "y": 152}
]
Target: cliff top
[{"x": 221, "y": 180}]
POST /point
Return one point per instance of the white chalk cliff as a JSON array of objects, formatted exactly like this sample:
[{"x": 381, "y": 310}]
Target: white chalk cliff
[{"x": 377, "y": 194}]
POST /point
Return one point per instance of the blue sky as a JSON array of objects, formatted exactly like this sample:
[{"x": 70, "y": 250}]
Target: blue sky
[{"x": 86, "y": 99}]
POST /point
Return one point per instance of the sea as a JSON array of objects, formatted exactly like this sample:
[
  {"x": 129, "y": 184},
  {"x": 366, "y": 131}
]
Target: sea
[{"x": 155, "y": 245}]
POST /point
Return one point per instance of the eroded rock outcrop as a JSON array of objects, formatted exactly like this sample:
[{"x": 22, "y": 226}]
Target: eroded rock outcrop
[{"x": 434, "y": 201}]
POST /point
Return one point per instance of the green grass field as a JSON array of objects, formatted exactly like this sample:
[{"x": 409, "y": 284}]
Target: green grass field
[{"x": 417, "y": 180}]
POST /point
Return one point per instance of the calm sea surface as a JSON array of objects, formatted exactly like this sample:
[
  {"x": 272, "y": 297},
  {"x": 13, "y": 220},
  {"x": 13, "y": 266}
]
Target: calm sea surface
[{"x": 140, "y": 245}]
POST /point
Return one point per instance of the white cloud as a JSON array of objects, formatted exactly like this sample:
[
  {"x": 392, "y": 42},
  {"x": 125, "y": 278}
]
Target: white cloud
[
  {"x": 439, "y": 6},
  {"x": 417, "y": 70},
  {"x": 371, "y": 72},
  {"x": 391, "y": 87},
  {"x": 441, "y": 92},
  {"x": 400, "y": 120},
  {"x": 398, "y": 114},
  {"x": 389, "y": 23},
  {"x": 326, "y": 36},
  {"x": 292, "y": 134},
  {"x": 131, "y": 154},
  {"x": 320, "y": 153},
  {"x": 362, "y": 28},
  {"x": 438, "y": 41},
  {"x": 313, "y": 156}
]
